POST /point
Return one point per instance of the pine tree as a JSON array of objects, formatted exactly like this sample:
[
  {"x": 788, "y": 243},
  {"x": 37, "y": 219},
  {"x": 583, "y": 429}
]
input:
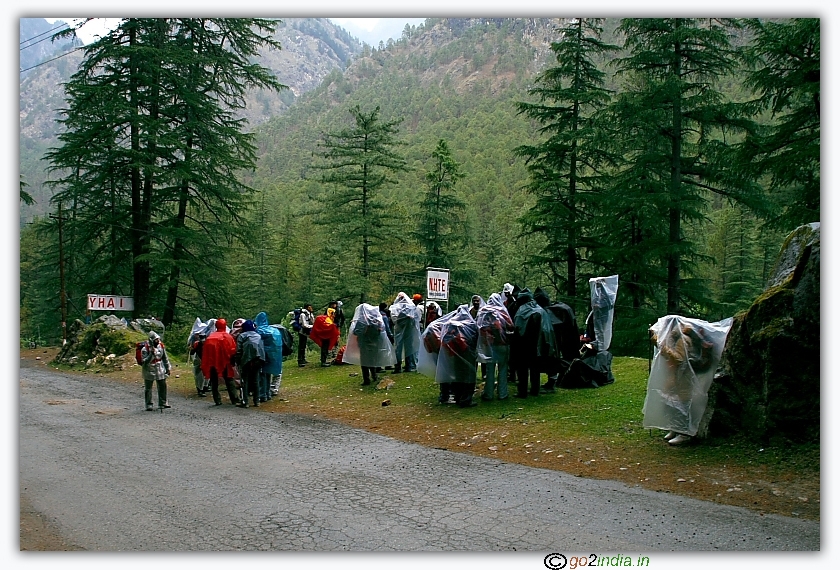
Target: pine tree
[
  {"x": 440, "y": 217},
  {"x": 670, "y": 123},
  {"x": 359, "y": 161},
  {"x": 565, "y": 169},
  {"x": 150, "y": 129},
  {"x": 785, "y": 75}
]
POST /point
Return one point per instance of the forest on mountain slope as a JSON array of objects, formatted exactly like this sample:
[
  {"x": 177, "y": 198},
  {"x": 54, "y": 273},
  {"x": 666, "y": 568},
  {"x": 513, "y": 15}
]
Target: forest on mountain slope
[{"x": 470, "y": 83}]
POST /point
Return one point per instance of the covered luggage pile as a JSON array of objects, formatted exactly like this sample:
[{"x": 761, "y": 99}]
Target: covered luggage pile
[
  {"x": 686, "y": 354},
  {"x": 367, "y": 341},
  {"x": 593, "y": 368}
]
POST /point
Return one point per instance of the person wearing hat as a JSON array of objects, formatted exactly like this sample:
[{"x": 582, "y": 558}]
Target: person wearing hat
[
  {"x": 216, "y": 362},
  {"x": 155, "y": 369},
  {"x": 250, "y": 356}
]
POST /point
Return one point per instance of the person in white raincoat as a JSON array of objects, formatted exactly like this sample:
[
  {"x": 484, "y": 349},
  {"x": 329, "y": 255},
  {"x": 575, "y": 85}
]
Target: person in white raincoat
[
  {"x": 686, "y": 356},
  {"x": 195, "y": 342},
  {"x": 457, "y": 358},
  {"x": 368, "y": 344},
  {"x": 406, "y": 332},
  {"x": 494, "y": 327},
  {"x": 430, "y": 351}
]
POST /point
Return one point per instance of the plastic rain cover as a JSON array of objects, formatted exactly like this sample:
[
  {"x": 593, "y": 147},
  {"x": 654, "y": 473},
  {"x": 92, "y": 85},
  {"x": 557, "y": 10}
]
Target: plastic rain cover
[
  {"x": 603, "y": 291},
  {"x": 367, "y": 342},
  {"x": 457, "y": 358},
  {"x": 273, "y": 344},
  {"x": 201, "y": 328},
  {"x": 406, "y": 323},
  {"x": 686, "y": 355},
  {"x": 430, "y": 345},
  {"x": 493, "y": 321}
]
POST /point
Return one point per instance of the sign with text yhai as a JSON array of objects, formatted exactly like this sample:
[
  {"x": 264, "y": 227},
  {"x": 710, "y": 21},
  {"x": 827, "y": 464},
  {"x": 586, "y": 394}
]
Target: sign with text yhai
[
  {"x": 110, "y": 303},
  {"x": 437, "y": 284}
]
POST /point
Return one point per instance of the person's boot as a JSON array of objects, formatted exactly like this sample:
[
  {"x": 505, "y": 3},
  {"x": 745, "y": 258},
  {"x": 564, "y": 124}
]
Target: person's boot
[
  {"x": 681, "y": 439},
  {"x": 397, "y": 368}
]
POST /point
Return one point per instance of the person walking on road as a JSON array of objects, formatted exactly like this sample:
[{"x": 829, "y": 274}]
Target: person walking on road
[{"x": 155, "y": 369}]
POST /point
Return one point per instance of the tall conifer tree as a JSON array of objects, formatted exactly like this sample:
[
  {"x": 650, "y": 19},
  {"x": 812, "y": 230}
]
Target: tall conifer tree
[
  {"x": 670, "y": 119},
  {"x": 150, "y": 129},
  {"x": 565, "y": 168},
  {"x": 359, "y": 161}
]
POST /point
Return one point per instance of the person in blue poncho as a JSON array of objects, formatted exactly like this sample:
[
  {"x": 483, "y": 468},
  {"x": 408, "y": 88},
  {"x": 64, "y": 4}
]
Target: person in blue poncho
[{"x": 273, "y": 345}]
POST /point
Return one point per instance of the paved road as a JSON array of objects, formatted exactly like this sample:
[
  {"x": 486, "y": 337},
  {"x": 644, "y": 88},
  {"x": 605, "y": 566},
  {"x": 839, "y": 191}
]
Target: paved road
[{"x": 113, "y": 477}]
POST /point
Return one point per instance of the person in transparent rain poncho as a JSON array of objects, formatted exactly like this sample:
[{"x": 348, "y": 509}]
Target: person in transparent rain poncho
[
  {"x": 368, "y": 344},
  {"x": 456, "y": 335},
  {"x": 195, "y": 344},
  {"x": 406, "y": 332},
  {"x": 687, "y": 352},
  {"x": 494, "y": 329},
  {"x": 430, "y": 352}
]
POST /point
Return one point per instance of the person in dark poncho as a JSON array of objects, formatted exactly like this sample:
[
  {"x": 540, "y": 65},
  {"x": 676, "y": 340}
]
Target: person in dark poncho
[
  {"x": 566, "y": 336},
  {"x": 250, "y": 355},
  {"x": 534, "y": 342}
]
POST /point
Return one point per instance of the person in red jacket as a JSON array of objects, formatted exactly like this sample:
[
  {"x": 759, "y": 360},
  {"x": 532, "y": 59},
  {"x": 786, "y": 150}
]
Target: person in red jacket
[
  {"x": 325, "y": 334},
  {"x": 216, "y": 361}
]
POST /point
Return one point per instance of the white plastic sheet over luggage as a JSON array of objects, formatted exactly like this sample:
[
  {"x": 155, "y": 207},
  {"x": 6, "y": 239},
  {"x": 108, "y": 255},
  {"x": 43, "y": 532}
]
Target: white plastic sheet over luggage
[
  {"x": 367, "y": 342},
  {"x": 686, "y": 355},
  {"x": 603, "y": 291}
]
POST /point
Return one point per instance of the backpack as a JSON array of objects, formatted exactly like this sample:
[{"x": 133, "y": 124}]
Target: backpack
[
  {"x": 138, "y": 348},
  {"x": 288, "y": 341},
  {"x": 296, "y": 321}
]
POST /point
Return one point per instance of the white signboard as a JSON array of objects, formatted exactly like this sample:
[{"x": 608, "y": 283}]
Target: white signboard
[
  {"x": 110, "y": 303},
  {"x": 437, "y": 284}
]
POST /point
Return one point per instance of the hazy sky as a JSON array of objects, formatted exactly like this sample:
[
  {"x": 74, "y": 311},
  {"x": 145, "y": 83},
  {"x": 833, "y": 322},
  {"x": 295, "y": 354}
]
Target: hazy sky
[{"x": 369, "y": 30}]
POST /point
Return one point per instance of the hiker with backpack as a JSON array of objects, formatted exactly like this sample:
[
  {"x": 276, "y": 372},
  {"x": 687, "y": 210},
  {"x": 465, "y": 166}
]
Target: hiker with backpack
[
  {"x": 368, "y": 344},
  {"x": 325, "y": 334},
  {"x": 273, "y": 344},
  {"x": 495, "y": 328},
  {"x": 303, "y": 325},
  {"x": 156, "y": 368},
  {"x": 217, "y": 362},
  {"x": 406, "y": 320},
  {"x": 250, "y": 357}
]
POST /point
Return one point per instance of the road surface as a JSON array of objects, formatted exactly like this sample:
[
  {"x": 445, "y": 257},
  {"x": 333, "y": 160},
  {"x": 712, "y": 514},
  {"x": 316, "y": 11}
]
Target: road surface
[{"x": 109, "y": 476}]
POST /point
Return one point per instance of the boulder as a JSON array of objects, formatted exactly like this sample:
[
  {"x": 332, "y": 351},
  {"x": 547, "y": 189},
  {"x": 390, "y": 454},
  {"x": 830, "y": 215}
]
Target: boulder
[
  {"x": 108, "y": 335},
  {"x": 768, "y": 384}
]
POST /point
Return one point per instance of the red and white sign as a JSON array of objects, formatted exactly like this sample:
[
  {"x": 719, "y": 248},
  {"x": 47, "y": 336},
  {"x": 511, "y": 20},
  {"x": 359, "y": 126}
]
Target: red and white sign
[
  {"x": 110, "y": 303},
  {"x": 437, "y": 284}
]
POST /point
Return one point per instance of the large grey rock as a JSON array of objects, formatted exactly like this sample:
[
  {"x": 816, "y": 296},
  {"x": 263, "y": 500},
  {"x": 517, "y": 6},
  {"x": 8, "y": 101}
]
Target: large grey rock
[{"x": 769, "y": 383}]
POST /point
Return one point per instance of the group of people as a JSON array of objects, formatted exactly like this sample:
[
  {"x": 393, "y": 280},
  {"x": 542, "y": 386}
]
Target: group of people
[
  {"x": 512, "y": 338},
  {"x": 247, "y": 357}
]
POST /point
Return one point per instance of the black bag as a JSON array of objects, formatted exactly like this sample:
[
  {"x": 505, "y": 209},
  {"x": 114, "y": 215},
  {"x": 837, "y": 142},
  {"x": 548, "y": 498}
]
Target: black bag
[
  {"x": 288, "y": 341},
  {"x": 589, "y": 371}
]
